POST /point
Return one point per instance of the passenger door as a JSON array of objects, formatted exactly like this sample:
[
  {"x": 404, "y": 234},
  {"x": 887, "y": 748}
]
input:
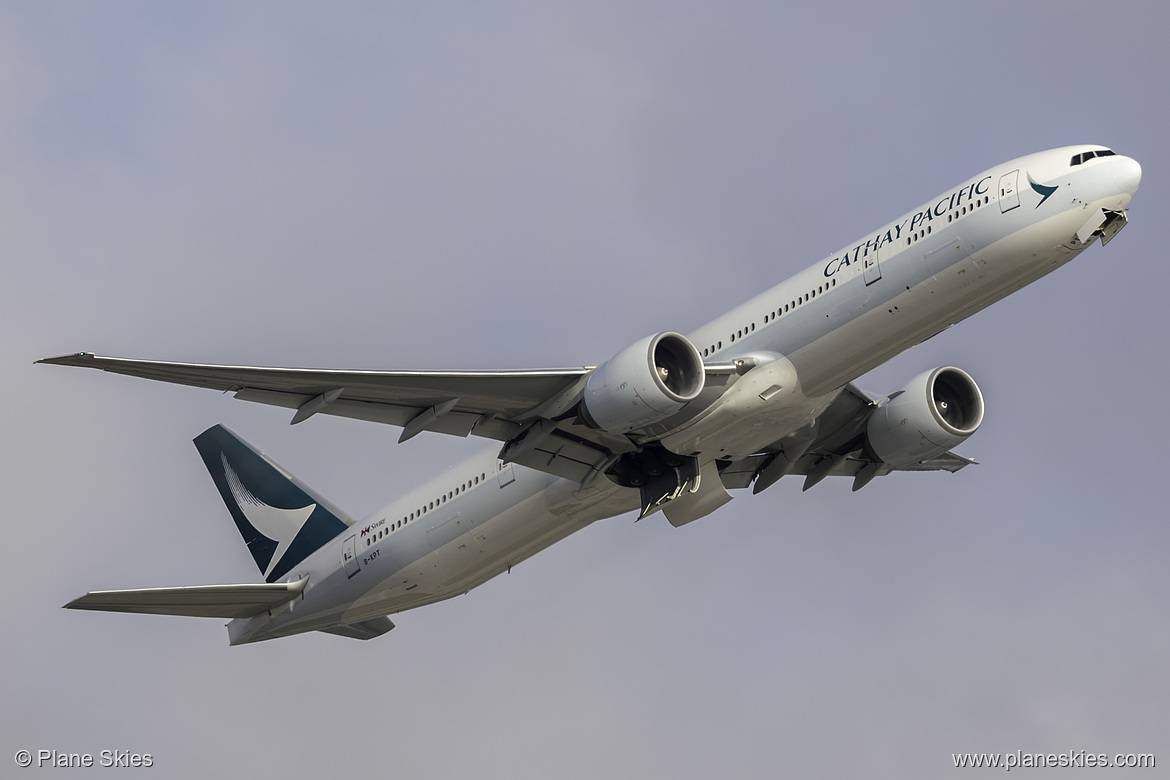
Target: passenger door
[
  {"x": 349, "y": 556},
  {"x": 1009, "y": 195}
]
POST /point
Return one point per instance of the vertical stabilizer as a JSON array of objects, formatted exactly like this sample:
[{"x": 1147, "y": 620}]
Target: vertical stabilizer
[{"x": 281, "y": 520}]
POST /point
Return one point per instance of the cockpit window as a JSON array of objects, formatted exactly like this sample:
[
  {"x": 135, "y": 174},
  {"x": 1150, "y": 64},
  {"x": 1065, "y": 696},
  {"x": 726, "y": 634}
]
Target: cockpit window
[{"x": 1086, "y": 156}]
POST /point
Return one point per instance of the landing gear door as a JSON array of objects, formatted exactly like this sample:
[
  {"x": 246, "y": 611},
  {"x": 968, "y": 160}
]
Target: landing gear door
[
  {"x": 1009, "y": 195},
  {"x": 349, "y": 556}
]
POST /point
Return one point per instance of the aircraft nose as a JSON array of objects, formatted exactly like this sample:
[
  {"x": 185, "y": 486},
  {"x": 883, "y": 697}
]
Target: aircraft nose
[{"x": 1127, "y": 174}]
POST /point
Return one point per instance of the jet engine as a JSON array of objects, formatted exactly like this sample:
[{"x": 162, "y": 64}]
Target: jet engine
[
  {"x": 644, "y": 383},
  {"x": 929, "y": 415}
]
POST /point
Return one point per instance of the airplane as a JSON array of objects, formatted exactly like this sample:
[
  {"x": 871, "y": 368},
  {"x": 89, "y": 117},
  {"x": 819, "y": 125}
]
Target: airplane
[{"x": 671, "y": 423}]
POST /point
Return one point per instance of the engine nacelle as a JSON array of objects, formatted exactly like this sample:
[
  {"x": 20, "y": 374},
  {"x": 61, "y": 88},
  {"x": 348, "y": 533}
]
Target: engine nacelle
[
  {"x": 644, "y": 383},
  {"x": 931, "y": 414}
]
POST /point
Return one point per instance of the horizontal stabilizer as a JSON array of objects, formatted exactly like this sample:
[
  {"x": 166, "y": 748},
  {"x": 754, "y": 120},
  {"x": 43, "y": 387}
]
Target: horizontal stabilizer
[
  {"x": 366, "y": 629},
  {"x": 217, "y": 601}
]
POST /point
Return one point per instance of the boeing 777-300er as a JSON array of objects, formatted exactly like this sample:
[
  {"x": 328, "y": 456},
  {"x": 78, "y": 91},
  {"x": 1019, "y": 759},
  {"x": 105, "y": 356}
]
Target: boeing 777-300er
[{"x": 670, "y": 423}]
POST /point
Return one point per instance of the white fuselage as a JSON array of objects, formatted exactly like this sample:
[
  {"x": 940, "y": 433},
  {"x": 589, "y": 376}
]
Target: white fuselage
[{"x": 893, "y": 288}]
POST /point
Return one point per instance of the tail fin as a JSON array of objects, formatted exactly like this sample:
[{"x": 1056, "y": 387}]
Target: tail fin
[{"x": 282, "y": 520}]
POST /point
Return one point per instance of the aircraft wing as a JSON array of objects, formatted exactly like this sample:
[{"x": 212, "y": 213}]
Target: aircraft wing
[
  {"x": 220, "y": 601},
  {"x": 834, "y": 447},
  {"x": 530, "y": 409},
  {"x": 491, "y": 401}
]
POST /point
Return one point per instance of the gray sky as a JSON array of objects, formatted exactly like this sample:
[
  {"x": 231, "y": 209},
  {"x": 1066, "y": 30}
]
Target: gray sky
[{"x": 533, "y": 184}]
